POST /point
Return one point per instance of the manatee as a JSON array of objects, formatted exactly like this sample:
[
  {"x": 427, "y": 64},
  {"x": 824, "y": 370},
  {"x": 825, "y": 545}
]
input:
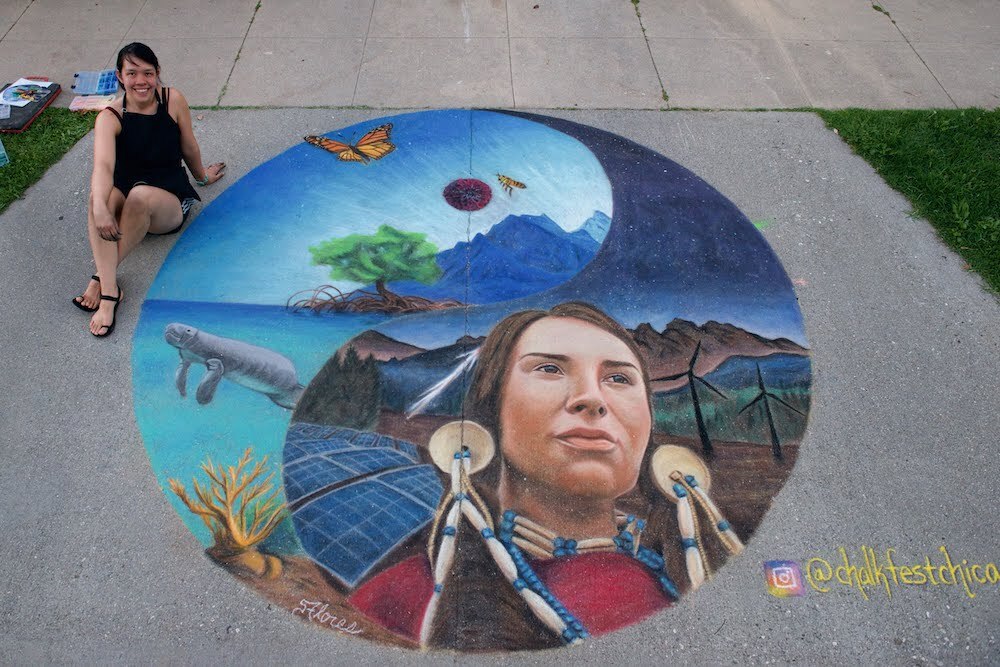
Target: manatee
[{"x": 253, "y": 367}]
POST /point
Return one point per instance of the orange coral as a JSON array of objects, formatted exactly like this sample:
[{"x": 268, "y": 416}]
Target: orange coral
[{"x": 239, "y": 507}]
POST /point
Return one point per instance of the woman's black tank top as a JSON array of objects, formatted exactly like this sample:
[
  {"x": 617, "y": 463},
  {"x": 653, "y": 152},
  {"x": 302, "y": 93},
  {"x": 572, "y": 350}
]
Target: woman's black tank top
[{"x": 148, "y": 151}]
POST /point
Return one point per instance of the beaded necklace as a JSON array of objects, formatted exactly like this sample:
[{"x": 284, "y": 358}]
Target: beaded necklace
[
  {"x": 453, "y": 448},
  {"x": 679, "y": 474},
  {"x": 519, "y": 534}
]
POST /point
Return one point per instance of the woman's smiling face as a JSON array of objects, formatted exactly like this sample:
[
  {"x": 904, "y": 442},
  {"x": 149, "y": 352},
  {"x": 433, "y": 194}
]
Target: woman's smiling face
[
  {"x": 574, "y": 413},
  {"x": 138, "y": 77}
]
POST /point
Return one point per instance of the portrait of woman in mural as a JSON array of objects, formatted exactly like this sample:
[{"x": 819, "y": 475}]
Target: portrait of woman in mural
[{"x": 566, "y": 393}]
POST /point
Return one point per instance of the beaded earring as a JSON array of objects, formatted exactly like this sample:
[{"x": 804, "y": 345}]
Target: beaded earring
[
  {"x": 683, "y": 478},
  {"x": 460, "y": 449}
]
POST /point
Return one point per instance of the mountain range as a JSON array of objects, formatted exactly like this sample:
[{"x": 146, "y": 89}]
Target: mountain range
[
  {"x": 669, "y": 352},
  {"x": 518, "y": 256},
  {"x": 597, "y": 226},
  {"x": 728, "y": 355}
]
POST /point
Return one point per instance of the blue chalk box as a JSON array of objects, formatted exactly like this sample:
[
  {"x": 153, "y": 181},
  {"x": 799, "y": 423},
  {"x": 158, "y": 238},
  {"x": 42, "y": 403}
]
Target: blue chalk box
[
  {"x": 4, "y": 160},
  {"x": 101, "y": 82}
]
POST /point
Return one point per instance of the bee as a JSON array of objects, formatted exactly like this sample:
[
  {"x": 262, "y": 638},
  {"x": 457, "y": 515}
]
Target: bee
[{"x": 509, "y": 184}]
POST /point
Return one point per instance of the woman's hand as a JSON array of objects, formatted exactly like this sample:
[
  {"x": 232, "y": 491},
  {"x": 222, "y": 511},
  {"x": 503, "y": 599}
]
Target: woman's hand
[
  {"x": 213, "y": 172},
  {"x": 107, "y": 226}
]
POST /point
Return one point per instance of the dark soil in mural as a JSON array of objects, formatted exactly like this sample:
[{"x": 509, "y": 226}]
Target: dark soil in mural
[
  {"x": 416, "y": 429},
  {"x": 745, "y": 478}
]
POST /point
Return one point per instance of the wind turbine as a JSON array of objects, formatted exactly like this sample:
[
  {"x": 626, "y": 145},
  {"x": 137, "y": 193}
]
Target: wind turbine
[
  {"x": 706, "y": 444},
  {"x": 764, "y": 395}
]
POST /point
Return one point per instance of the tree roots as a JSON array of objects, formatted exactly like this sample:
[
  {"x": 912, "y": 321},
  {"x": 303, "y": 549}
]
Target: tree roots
[{"x": 329, "y": 299}]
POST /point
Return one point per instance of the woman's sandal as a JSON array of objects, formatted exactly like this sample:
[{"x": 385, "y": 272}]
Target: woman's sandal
[
  {"x": 78, "y": 300},
  {"x": 114, "y": 315}
]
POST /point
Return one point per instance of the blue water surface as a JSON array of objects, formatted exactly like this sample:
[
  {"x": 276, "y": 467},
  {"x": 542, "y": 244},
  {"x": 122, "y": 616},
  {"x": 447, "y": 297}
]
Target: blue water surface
[{"x": 178, "y": 433}]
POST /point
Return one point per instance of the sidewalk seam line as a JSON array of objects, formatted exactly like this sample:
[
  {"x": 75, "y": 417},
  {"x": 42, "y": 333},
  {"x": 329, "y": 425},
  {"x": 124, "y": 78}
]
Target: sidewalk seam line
[
  {"x": 124, "y": 34},
  {"x": 656, "y": 70},
  {"x": 921, "y": 59},
  {"x": 468, "y": 238},
  {"x": 510, "y": 55},
  {"x": 364, "y": 50},
  {"x": 239, "y": 51},
  {"x": 20, "y": 16}
]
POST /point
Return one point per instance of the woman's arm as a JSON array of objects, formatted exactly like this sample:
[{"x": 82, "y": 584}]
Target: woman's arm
[
  {"x": 189, "y": 145},
  {"x": 106, "y": 129}
]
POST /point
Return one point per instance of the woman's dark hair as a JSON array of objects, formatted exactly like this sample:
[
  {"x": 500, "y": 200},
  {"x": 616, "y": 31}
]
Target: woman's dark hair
[{"x": 136, "y": 51}]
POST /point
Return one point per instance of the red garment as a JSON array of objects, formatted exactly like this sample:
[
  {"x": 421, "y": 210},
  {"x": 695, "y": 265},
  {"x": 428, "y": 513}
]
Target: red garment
[{"x": 604, "y": 591}]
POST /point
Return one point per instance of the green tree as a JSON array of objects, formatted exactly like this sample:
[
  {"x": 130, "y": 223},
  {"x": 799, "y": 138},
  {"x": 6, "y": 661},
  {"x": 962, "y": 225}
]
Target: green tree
[{"x": 387, "y": 256}]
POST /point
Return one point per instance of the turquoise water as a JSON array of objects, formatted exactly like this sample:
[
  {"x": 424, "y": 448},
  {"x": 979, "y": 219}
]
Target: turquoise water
[{"x": 178, "y": 433}]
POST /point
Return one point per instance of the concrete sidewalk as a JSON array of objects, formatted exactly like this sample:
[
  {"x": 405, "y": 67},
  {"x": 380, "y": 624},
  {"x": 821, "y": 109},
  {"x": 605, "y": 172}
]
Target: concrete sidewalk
[
  {"x": 719, "y": 54},
  {"x": 900, "y": 451},
  {"x": 902, "y": 443}
]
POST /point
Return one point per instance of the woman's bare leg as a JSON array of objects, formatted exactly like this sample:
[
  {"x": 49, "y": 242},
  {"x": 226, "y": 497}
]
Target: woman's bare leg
[
  {"x": 146, "y": 209},
  {"x": 100, "y": 247}
]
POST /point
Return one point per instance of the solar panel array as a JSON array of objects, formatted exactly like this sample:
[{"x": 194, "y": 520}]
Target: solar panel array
[{"x": 355, "y": 495}]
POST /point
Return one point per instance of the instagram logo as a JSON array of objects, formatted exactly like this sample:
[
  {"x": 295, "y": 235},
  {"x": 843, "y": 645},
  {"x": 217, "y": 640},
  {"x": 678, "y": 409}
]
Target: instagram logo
[{"x": 784, "y": 578}]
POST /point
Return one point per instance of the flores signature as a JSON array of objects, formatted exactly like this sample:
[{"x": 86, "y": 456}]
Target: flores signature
[{"x": 317, "y": 613}]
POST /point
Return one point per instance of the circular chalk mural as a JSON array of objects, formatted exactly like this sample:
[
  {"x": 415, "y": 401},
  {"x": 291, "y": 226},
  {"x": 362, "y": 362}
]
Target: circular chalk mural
[{"x": 474, "y": 380}]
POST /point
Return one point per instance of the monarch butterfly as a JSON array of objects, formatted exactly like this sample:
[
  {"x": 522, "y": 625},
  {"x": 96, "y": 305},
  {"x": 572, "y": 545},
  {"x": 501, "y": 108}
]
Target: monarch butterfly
[
  {"x": 509, "y": 184},
  {"x": 373, "y": 145}
]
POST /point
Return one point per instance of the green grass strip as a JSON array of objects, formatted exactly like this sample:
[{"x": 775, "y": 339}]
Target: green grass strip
[
  {"x": 39, "y": 147},
  {"x": 947, "y": 163}
]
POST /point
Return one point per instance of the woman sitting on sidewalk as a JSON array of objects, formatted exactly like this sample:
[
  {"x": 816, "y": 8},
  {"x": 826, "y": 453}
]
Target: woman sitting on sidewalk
[{"x": 138, "y": 185}]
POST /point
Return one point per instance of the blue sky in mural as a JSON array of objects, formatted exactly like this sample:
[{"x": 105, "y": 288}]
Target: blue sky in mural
[
  {"x": 252, "y": 244},
  {"x": 677, "y": 248}
]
